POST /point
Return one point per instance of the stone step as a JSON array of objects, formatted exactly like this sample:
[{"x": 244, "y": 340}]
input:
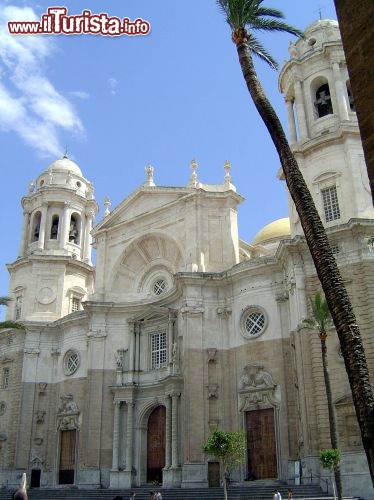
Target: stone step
[{"x": 251, "y": 491}]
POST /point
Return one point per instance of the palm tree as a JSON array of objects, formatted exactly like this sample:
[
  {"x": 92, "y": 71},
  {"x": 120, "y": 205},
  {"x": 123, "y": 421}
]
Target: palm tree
[
  {"x": 321, "y": 321},
  {"x": 4, "y": 301},
  {"x": 245, "y": 17}
]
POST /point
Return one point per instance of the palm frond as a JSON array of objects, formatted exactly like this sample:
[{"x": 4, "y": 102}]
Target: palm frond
[
  {"x": 4, "y": 301},
  {"x": 308, "y": 323},
  {"x": 270, "y": 12},
  {"x": 320, "y": 312},
  {"x": 259, "y": 50},
  {"x": 262, "y": 24},
  {"x": 252, "y": 16}
]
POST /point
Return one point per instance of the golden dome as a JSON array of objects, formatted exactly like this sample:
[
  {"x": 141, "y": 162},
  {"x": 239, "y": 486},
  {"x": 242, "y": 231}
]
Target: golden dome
[{"x": 276, "y": 230}]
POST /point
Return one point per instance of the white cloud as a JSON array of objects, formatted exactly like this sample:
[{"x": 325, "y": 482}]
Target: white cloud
[
  {"x": 113, "y": 84},
  {"x": 29, "y": 103},
  {"x": 80, "y": 94}
]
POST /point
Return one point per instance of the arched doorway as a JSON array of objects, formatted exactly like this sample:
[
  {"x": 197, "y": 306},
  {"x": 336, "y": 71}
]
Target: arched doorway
[{"x": 156, "y": 444}]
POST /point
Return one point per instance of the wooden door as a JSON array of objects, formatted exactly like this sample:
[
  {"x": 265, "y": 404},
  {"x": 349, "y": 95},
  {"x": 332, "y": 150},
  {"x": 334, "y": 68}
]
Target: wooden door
[
  {"x": 213, "y": 474},
  {"x": 261, "y": 446},
  {"x": 67, "y": 457},
  {"x": 156, "y": 444}
]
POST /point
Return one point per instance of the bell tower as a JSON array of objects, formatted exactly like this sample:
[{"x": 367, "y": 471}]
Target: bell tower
[
  {"x": 323, "y": 127},
  {"x": 53, "y": 272}
]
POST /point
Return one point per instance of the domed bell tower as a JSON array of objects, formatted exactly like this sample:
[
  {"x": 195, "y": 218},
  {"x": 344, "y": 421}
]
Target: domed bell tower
[
  {"x": 53, "y": 272},
  {"x": 323, "y": 128}
]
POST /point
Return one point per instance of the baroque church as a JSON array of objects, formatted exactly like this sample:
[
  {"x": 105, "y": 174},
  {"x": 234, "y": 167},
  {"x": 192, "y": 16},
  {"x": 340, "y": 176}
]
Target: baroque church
[{"x": 125, "y": 367}]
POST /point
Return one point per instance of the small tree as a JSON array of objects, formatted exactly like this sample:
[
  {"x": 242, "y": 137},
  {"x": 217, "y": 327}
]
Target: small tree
[
  {"x": 4, "y": 301},
  {"x": 330, "y": 459},
  {"x": 228, "y": 448}
]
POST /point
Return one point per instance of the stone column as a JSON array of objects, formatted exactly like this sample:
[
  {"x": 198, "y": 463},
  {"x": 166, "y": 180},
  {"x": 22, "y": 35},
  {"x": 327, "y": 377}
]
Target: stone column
[
  {"x": 129, "y": 435},
  {"x": 87, "y": 250},
  {"x": 174, "y": 430},
  {"x": 133, "y": 329},
  {"x": 291, "y": 121},
  {"x": 300, "y": 111},
  {"x": 24, "y": 234},
  {"x": 340, "y": 92},
  {"x": 168, "y": 433},
  {"x": 117, "y": 405},
  {"x": 43, "y": 222},
  {"x": 64, "y": 228}
]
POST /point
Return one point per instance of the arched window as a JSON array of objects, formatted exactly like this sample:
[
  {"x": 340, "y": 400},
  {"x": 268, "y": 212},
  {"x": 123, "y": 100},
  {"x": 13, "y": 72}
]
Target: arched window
[
  {"x": 322, "y": 101},
  {"x": 54, "y": 227},
  {"x": 352, "y": 106},
  {"x": 74, "y": 229},
  {"x": 36, "y": 226}
]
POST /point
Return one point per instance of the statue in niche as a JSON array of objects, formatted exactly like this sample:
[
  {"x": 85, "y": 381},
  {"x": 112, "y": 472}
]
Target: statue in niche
[{"x": 120, "y": 358}]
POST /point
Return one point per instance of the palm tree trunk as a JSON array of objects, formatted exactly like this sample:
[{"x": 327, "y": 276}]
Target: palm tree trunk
[
  {"x": 331, "y": 412},
  {"x": 324, "y": 261}
]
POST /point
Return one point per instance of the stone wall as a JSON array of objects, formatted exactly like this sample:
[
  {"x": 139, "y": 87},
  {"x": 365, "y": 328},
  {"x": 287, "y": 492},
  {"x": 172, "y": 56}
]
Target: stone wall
[{"x": 357, "y": 30}]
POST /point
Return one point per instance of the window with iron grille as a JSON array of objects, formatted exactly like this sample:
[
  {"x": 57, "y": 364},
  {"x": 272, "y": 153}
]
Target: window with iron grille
[
  {"x": 160, "y": 286},
  {"x": 71, "y": 362},
  {"x": 158, "y": 350},
  {"x": 75, "y": 304},
  {"x": 253, "y": 322},
  {"x": 5, "y": 381},
  {"x": 330, "y": 203}
]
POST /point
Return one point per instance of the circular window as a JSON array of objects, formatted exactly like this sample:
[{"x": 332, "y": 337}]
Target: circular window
[
  {"x": 160, "y": 286},
  {"x": 71, "y": 362},
  {"x": 253, "y": 322}
]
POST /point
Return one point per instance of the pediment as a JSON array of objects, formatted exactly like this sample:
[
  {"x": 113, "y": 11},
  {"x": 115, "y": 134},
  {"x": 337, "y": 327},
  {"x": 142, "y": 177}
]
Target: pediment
[
  {"x": 154, "y": 314},
  {"x": 144, "y": 202}
]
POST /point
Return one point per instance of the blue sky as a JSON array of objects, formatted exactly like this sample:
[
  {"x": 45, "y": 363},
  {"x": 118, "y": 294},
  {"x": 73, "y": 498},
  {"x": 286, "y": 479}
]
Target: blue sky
[{"x": 121, "y": 103}]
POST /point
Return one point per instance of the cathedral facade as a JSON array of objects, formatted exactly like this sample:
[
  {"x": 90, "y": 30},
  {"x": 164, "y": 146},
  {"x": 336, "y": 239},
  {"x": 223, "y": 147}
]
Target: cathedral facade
[{"x": 125, "y": 367}]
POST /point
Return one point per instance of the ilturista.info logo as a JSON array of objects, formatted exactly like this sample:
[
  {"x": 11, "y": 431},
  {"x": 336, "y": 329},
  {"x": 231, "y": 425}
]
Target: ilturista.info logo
[{"x": 57, "y": 22}]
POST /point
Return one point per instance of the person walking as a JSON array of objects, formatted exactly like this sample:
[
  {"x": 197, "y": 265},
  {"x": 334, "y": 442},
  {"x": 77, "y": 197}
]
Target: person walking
[
  {"x": 289, "y": 494},
  {"x": 21, "y": 494},
  {"x": 277, "y": 495}
]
